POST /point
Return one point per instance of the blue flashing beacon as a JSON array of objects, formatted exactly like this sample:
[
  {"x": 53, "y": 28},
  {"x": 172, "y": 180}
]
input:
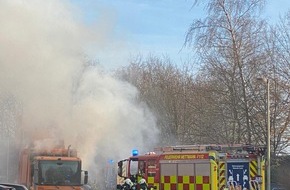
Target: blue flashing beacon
[{"x": 135, "y": 152}]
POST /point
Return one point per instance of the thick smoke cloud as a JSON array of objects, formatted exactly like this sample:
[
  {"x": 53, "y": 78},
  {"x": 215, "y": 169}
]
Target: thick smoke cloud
[{"x": 62, "y": 96}]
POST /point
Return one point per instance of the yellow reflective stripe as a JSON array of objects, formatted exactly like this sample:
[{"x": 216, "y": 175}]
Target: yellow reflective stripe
[
  {"x": 205, "y": 187},
  {"x": 185, "y": 179},
  {"x": 253, "y": 169},
  {"x": 167, "y": 186},
  {"x": 222, "y": 173},
  {"x": 150, "y": 180},
  {"x": 173, "y": 179},
  {"x": 199, "y": 179},
  {"x": 263, "y": 174},
  {"x": 191, "y": 186},
  {"x": 213, "y": 178},
  {"x": 204, "y": 182}
]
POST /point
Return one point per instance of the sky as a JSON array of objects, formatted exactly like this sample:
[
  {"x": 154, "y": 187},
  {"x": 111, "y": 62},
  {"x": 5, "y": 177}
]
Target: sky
[
  {"x": 48, "y": 93},
  {"x": 57, "y": 95},
  {"x": 149, "y": 27}
]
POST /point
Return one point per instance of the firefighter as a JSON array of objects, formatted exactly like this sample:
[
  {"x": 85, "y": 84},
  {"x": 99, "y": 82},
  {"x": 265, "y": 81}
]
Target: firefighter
[
  {"x": 143, "y": 184},
  {"x": 128, "y": 184}
]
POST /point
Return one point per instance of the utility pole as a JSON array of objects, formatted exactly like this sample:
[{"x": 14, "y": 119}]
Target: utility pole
[{"x": 268, "y": 166}]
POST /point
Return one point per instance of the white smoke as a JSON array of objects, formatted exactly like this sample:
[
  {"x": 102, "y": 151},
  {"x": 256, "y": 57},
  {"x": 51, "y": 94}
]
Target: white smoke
[{"x": 42, "y": 44}]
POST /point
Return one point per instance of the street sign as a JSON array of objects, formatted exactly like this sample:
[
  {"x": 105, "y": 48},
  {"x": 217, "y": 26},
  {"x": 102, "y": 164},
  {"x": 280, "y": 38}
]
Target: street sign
[{"x": 238, "y": 174}]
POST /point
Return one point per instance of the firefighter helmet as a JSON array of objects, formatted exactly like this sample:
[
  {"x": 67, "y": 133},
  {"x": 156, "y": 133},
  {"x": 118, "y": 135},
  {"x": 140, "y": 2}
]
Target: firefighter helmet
[
  {"x": 128, "y": 181},
  {"x": 142, "y": 181}
]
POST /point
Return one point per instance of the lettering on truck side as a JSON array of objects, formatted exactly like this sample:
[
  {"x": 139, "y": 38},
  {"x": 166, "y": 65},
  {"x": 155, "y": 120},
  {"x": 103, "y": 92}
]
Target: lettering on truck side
[{"x": 184, "y": 156}]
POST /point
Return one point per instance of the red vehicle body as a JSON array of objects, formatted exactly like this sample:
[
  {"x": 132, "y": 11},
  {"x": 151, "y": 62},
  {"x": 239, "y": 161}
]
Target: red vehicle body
[{"x": 197, "y": 167}]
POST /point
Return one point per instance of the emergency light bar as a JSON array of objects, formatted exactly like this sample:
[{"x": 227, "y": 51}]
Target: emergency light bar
[{"x": 135, "y": 152}]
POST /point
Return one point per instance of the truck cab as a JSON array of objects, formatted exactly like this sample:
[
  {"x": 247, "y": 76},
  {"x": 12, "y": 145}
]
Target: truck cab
[{"x": 51, "y": 170}]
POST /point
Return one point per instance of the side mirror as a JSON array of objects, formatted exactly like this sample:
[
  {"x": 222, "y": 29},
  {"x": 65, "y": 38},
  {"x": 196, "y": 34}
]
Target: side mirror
[
  {"x": 120, "y": 168},
  {"x": 86, "y": 178},
  {"x": 120, "y": 163}
]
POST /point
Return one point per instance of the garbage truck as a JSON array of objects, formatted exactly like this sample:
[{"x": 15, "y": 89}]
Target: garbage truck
[{"x": 58, "y": 168}]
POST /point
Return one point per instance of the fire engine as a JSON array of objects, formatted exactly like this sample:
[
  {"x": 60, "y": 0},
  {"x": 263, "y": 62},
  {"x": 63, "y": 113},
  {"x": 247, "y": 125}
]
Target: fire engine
[{"x": 197, "y": 167}]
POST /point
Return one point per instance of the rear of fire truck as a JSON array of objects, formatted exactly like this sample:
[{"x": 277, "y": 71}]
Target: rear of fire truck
[
  {"x": 241, "y": 167},
  {"x": 54, "y": 169},
  {"x": 197, "y": 167}
]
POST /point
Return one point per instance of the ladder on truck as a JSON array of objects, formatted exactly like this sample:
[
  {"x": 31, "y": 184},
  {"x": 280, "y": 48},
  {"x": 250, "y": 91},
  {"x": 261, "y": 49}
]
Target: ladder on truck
[{"x": 230, "y": 148}]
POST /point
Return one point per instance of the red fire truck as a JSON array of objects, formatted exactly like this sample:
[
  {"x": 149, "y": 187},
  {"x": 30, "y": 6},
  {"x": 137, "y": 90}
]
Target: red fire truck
[{"x": 198, "y": 167}]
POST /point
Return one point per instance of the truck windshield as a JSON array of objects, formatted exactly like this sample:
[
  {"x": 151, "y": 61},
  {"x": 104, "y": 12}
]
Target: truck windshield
[{"x": 59, "y": 172}]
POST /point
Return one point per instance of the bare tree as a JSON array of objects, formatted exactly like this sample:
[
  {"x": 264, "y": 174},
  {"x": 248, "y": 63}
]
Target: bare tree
[
  {"x": 278, "y": 48},
  {"x": 231, "y": 49},
  {"x": 167, "y": 90}
]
